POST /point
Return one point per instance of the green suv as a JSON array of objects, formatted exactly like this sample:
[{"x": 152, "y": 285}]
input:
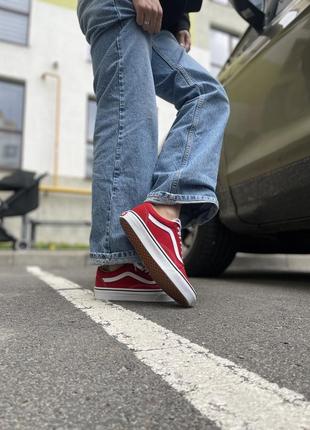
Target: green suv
[{"x": 264, "y": 177}]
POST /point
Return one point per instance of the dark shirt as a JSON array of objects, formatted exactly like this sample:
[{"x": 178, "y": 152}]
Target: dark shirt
[{"x": 175, "y": 14}]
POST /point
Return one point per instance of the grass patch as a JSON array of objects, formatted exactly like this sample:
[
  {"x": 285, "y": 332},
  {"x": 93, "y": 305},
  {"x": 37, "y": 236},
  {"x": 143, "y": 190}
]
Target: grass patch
[{"x": 5, "y": 245}]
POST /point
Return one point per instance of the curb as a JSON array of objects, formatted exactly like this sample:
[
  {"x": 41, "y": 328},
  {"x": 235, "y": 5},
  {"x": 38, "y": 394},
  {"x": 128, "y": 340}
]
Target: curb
[
  {"x": 271, "y": 262},
  {"x": 44, "y": 258}
]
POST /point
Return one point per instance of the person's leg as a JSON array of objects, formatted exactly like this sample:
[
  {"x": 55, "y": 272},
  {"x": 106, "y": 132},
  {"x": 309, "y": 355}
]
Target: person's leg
[
  {"x": 187, "y": 167},
  {"x": 126, "y": 129}
]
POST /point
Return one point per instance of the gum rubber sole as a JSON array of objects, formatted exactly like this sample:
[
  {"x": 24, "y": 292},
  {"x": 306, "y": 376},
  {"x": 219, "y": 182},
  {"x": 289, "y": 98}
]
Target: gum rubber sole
[
  {"x": 109, "y": 294},
  {"x": 158, "y": 264}
]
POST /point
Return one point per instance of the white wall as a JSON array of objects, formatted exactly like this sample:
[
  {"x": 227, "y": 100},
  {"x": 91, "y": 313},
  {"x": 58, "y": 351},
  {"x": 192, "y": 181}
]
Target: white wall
[{"x": 54, "y": 37}]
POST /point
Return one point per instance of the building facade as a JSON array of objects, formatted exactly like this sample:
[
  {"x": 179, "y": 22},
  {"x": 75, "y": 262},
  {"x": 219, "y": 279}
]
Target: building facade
[{"x": 47, "y": 106}]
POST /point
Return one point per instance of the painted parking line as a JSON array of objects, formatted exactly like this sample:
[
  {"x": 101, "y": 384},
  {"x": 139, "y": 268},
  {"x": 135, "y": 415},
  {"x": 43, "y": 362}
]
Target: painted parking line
[{"x": 225, "y": 393}]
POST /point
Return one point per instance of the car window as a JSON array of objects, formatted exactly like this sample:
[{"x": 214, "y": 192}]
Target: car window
[
  {"x": 247, "y": 39},
  {"x": 270, "y": 11},
  {"x": 282, "y": 5},
  {"x": 260, "y": 4},
  {"x": 251, "y": 34}
]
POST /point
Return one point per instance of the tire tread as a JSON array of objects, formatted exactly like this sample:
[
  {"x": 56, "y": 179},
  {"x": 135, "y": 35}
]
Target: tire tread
[{"x": 212, "y": 252}]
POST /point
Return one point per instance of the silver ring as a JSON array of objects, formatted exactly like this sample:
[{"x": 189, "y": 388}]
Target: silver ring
[{"x": 146, "y": 22}]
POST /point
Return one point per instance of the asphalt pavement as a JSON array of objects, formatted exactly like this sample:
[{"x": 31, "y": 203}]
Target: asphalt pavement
[{"x": 66, "y": 364}]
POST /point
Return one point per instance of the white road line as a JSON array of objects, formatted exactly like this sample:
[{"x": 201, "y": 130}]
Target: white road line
[{"x": 227, "y": 394}]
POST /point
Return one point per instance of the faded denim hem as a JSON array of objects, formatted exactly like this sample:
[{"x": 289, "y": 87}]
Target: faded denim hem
[
  {"x": 122, "y": 257},
  {"x": 195, "y": 210},
  {"x": 169, "y": 198}
]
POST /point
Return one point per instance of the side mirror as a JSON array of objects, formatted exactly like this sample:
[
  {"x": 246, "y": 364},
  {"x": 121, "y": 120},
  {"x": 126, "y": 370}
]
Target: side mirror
[{"x": 251, "y": 11}]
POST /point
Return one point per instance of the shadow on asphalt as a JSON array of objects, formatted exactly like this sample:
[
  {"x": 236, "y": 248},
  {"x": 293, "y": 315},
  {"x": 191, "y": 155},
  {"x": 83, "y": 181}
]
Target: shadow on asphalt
[{"x": 265, "y": 278}]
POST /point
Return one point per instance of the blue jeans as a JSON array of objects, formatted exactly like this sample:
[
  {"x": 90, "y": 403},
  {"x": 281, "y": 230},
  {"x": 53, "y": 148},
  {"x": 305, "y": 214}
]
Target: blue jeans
[{"x": 131, "y": 67}]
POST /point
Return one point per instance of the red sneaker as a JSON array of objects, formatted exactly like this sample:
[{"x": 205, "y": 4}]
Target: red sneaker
[
  {"x": 158, "y": 242},
  {"x": 130, "y": 282}
]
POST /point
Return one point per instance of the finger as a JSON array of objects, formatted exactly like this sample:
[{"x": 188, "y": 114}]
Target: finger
[
  {"x": 187, "y": 42},
  {"x": 158, "y": 20},
  {"x": 139, "y": 17},
  {"x": 182, "y": 39},
  {"x": 146, "y": 23},
  {"x": 152, "y": 25}
]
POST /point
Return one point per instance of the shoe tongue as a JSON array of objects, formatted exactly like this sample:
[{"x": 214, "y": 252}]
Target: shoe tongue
[{"x": 158, "y": 215}]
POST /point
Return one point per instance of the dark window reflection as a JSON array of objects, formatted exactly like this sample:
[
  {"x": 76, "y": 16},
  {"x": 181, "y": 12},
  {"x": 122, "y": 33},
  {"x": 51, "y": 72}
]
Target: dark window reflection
[
  {"x": 11, "y": 123},
  {"x": 14, "y": 20}
]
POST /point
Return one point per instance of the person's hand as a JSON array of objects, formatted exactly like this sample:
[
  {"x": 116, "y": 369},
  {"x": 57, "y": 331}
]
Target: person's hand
[
  {"x": 184, "y": 39},
  {"x": 149, "y": 11}
]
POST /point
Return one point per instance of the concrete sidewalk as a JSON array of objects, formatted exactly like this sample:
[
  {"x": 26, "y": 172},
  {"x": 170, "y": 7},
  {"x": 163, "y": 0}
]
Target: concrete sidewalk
[
  {"x": 44, "y": 258},
  {"x": 67, "y": 259}
]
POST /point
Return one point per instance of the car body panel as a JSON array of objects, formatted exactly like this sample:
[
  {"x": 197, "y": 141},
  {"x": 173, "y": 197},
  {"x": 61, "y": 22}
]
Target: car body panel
[{"x": 266, "y": 152}]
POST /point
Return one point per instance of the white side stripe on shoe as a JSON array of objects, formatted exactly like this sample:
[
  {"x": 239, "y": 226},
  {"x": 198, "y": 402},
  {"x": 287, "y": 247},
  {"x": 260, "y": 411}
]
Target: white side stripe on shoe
[
  {"x": 169, "y": 231},
  {"x": 129, "y": 274}
]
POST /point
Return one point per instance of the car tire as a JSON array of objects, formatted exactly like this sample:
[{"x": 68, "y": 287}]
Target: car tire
[
  {"x": 211, "y": 251},
  {"x": 22, "y": 245}
]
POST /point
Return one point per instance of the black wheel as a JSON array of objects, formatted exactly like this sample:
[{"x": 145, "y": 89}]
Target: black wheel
[
  {"x": 22, "y": 245},
  {"x": 208, "y": 249}
]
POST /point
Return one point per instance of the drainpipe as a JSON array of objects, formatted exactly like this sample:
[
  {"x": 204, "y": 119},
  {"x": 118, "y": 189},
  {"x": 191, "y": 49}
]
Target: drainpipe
[
  {"x": 55, "y": 187},
  {"x": 57, "y": 125}
]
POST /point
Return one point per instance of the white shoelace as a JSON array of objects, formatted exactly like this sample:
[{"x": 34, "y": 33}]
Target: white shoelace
[
  {"x": 141, "y": 267},
  {"x": 180, "y": 236}
]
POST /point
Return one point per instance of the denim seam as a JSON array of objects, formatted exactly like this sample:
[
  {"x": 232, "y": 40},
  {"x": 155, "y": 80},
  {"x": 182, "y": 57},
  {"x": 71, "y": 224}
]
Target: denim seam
[
  {"x": 118, "y": 13},
  {"x": 119, "y": 253},
  {"x": 114, "y": 257},
  {"x": 176, "y": 198},
  {"x": 116, "y": 171},
  {"x": 188, "y": 145},
  {"x": 188, "y": 79},
  {"x": 176, "y": 176},
  {"x": 119, "y": 138}
]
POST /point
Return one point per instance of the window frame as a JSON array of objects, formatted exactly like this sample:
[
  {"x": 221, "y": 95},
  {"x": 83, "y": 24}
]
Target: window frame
[
  {"x": 18, "y": 12},
  {"x": 22, "y": 132}
]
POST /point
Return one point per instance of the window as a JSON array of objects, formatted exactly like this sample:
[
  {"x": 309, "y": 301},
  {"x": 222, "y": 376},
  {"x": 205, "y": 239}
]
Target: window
[
  {"x": 11, "y": 123},
  {"x": 224, "y": 2},
  {"x": 14, "y": 19},
  {"x": 222, "y": 44},
  {"x": 91, "y": 117}
]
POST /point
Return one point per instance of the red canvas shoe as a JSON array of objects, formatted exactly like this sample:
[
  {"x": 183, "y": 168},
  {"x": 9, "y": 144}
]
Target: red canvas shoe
[
  {"x": 158, "y": 242},
  {"x": 130, "y": 282}
]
